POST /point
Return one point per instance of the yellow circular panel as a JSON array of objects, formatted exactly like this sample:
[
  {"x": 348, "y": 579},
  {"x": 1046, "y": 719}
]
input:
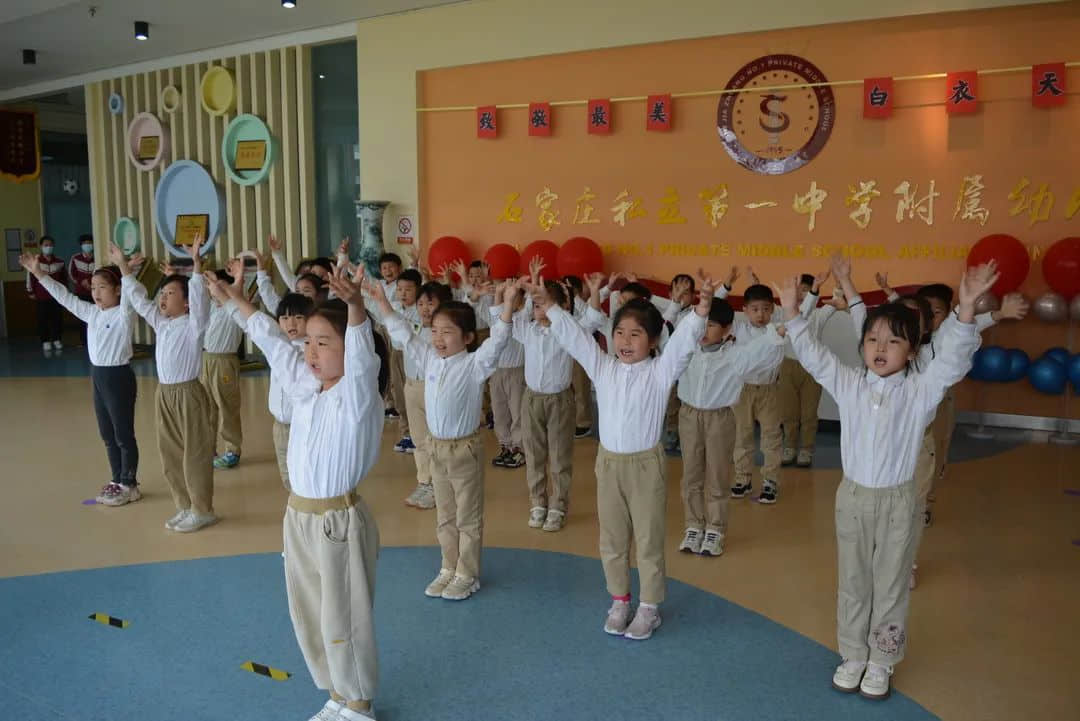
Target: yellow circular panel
[
  {"x": 170, "y": 98},
  {"x": 218, "y": 91}
]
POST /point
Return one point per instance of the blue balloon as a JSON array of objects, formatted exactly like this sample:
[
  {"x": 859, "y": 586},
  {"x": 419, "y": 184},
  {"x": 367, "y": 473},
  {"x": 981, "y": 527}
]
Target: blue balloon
[
  {"x": 1018, "y": 364},
  {"x": 1073, "y": 369},
  {"x": 994, "y": 364},
  {"x": 1047, "y": 376},
  {"x": 975, "y": 373},
  {"x": 1059, "y": 354}
]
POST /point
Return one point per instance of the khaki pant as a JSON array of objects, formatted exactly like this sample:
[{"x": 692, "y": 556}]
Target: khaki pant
[
  {"x": 185, "y": 442},
  {"x": 457, "y": 470},
  {"x": 671, "y": 415},
  {"x": 281, "y": 451},
  {"x": 414, "y": 402},
  {"x": 758, "y": 403},
  {"x": 221, "y": 378},
  {"x": 708, "y": 440},
  {"x": 924, "y": 482},
  {"x": 631, "y": 500},
  {"x": 799, "y": 396},
  {"x": 582, "y": 397},
  {"x": 875, "y": 539},
  {"x": 331, "y": 545},
  {"x": 507, "y": 387},
  {"x": 943, "y": 425},
  {"x": 397, "y": 389},
  {"x": 549, "y": 434}
]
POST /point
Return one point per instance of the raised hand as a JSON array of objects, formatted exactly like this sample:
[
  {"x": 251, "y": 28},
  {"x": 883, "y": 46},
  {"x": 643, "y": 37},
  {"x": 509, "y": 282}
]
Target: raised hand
[
  {"x": 680, "y": 292},
  {"x": 485, "y": 269},
  {"x": 882, "y": 280},
  {"x": 348, "y": 289},
  {"x": 275, "y": 244},
  {"x": 840, "y": 265},
  {"x": 974, "y": 283},
  {"x": 32, "y": 264},
  {"x": 754, "y": 280},
  {"x": 196, "y": 258},
  {"x": 536, "y": 267},
  {"x": 594, "y": 282},
  {"x": 1014, "y": 306},
  {"x": 612, "y": 278},
  {"x": 733, "y": 275},
  {"x": 218, "y": 289},
  {"x": 789, "y": 296},
  {"x": 819, "y": 280},
  {"x": 838, "y": 300},
  {"x": 458, "y": 266},
  {"x": 707, "y": 286}
]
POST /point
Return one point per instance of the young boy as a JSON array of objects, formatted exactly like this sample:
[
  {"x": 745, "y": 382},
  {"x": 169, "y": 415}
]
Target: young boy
[
  {"x": 185, "y": 438},
  {"x": 507, "y": 387},
  {"x": 291, "y": 313},
  {"x": 580, "y": 380},
  {"x": 221, "y": 376},
  {"x": 408, "y": 286},
  {"x": 389, "y": 269},
  {"x": 49, "y": 314}
]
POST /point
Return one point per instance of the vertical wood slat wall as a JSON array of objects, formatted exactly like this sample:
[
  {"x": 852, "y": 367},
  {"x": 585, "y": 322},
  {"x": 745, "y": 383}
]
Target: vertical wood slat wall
[{"x": 274, "y": 85}]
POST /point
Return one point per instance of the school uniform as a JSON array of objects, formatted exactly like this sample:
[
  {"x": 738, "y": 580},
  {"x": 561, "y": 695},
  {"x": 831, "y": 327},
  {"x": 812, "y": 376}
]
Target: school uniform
[
  {"x": 80, "y": 271},
  {"x": 113, "y": 382},
  {"x": 630, "y": 465},
  {"x": 882, "y": 425},
  {"x": 221, "y": 376},
  {"x": 453, "y": 390},
  {"x": 331, "y": 539},
  {"x": 708, "y": 389},
  {"x": 417, "y": 409},
  {"x": 182, "y": 407},
  {"x": 507, "y": 386},
  {"x": 483, "y": 329},
  {"x": 800, "y": 394},
  {"x": 580, "y": 381},
  {"x": 49, "y": 316}
]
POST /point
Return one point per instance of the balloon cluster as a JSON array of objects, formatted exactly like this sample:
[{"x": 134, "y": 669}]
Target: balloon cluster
[
  {"x": 1048, "y": 374},
  {"x": 578, "y": 256},
  {"x": 1061, "y": 268}
]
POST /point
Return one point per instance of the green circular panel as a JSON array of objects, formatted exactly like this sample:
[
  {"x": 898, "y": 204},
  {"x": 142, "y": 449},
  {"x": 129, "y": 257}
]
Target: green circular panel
[
  {"x": 247, "y": 130},
  {"x": 126, "y": 235}
]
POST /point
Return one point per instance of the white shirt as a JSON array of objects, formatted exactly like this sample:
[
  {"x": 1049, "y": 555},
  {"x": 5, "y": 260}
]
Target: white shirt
[
  {"x": 882, "y": 420},
  {"x": 632, "y": 398},
  {"x": 287, "y": 276},
  {"x": 513, "y": 355},
  {"x": 548, "y": 368},
  {"x": 715, "y": 377},
  {"x": 410, "y": 314},
  {"x": 267, "y": 292},
  {"x": 108, "y": 332},
  {"x": 454, "y": 386},
  {"x": 178, "y": 348},
  {"x": 413, "y": 370},
  {"x": 480, "y": 306},
  {"x": 222, "y": 334},
  {"x": 334, "y": 436},
  {"x": 279, "y": 401}
]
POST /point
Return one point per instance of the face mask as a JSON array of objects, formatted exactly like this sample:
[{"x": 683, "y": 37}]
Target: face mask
[
  {"x": 46, "y": 249},
  {"x": 87, "y": 248}
]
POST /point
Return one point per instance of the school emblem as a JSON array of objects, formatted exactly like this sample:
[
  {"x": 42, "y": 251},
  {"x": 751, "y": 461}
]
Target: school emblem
[{"x": 779, "y": 130}]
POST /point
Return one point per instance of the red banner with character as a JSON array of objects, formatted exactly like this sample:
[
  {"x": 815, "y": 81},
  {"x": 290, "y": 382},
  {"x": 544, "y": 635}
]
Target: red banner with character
[{"x": 20, "y": 154}]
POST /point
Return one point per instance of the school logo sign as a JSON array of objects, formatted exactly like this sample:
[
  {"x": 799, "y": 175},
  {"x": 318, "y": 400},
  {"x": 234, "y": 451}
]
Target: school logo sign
[{"x": 781, "y": 127}]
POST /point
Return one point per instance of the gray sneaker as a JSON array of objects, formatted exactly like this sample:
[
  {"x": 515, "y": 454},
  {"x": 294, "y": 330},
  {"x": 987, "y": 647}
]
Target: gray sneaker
[
  {"x": 713, "y": 545},
  {"x": 118, "y": 494},
  {"x": 414, "y": 497},
  {"x": 177, "y": 517},
  {"x": 554, "y": 521},
  {"x": 805, "y": 459},
  {"x": 646, "y": 620},
  {"x": 195, "y": 521},
  {"x": 436, "y": 587},
  {"x": 618, "y": 616},
  {"x": 787, "y": 456},
  {"x": 537, "y": 515},
  {"x": 460, "y": 588},
  {"x": 426, "y": 501}
]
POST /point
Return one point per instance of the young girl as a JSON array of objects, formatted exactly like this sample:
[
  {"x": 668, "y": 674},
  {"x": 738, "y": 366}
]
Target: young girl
[
  {"x": 50, "y": 319},
  {"x": 797, "y": 393},
  {"x": 109, "y": 324},
  {"x": 632, "y": 387},
  {"x": 221, "y": 374},
  {"x": 884, "y": 411},
  {"x": 331, "y": 540},
  {"x": 453, "y": 388}
]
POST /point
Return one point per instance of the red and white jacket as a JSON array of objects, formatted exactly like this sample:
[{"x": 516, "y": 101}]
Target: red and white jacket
[
  {"x": 54, "y": 266},
  {"x": 80, "y": 270}
]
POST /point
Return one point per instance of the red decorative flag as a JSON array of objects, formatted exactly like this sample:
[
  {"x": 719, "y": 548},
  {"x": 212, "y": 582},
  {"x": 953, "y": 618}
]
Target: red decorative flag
[
  {"x": 540, "y": 119},
  {"x": 961, "y": 92},
  {"x": 877, "y": 97},
  {"x": 486, "y": 122},
  {"x": 658, "y": 112},
  {"x": 1048, "y": 85},
  {"x": 598, "y": 121}
]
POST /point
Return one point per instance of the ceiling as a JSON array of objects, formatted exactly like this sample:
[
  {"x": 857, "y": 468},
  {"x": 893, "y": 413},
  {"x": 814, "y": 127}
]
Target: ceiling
[{"x": 71, "y": 41}]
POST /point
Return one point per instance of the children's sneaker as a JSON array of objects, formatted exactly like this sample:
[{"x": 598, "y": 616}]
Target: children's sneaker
[
  {"x": 646, "y": 620},
  {"x": 515, "y": 459},
  {"x": 391, "y": 414},
  {"x": 460, "y": 588},
  {"x": 787, "y": 456},
  {"x": 426, "y": 500},
  {"x": 848, "y": 675},
  {"x": 228, "y": 459},
  {"x": 675, "y": 449},
  {"x": 713, "y": 545},
  {"x": 741, "y": 490},
  {"x": 195, "y": 521},
  {"x": 582, "y": 431},
  {"x": 405, "y": 445},
  {"x": 436, "y": 587},
  {"x": 176, "y": 519},
  {"x": 47, "y": 347},
  {"x": 348, "y": 714},
  {"x": 414, "y": 497},
  {"x": 58, "y": 345},
  {"x": 489, "y": 421},
  {"x": 109, "y": 489},
  {"x": 499, "y": 461},
  {"x": 875, "y": 682},
  {"x": 805, "y": 459},
  {"x": 768, "y": 493},
  {"x": 618, "y": 618},
  {"x": 537, "y": 514},
  {"x": 117, "y": 494},
  {"x": 329, "y": 712},
  {"x": 554, "y": 521},
  {"x": 691, "y": 542}
]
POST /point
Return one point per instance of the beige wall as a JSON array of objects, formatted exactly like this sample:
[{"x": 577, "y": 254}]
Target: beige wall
[{"x": 20, "y": 207}]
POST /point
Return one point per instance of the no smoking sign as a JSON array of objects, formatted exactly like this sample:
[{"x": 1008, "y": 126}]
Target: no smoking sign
[{"x": 405, "y": 227}]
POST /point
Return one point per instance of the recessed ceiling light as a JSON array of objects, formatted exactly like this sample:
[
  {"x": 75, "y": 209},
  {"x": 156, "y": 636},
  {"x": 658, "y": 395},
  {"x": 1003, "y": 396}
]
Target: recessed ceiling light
[
  {"x": 29, "y": 57},
  {"x": 142, "y": 30},
  {"x": 288, "y": 4},
  {"x": 322, "y": 77}
]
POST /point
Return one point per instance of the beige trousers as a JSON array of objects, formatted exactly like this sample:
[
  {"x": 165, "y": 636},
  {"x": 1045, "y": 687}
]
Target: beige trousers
[
  {"x": 631, "y": 500},
  {"x": 414, "y": 402},
  {"x": 799, "y": 396},
  {"x": 924, "y": 481},
  {"x": 875, "y": 539},
  {"x": 185, "y": 441},
  {"x": 708, "y": 440},
  {"x": 281, "y": 451},
  {"x": 758, "y": 403},
  {"x": 221, "y": 378},
  {"x": 549, "y": 435},
  {"x": 582, "y": 397},
  {"x": 943, "y": 425},
  {"x": 457, "y": 469},
  {"x": 397, "y": 389},
  {"x": 671, "y": 415},
  {"x": 507, "y": 387},
  {"x": 331, "y": 545}
]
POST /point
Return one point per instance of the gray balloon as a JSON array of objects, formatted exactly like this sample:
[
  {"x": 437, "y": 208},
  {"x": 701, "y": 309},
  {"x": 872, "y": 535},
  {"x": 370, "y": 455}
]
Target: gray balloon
[
  {"x": 1074, "y": 308},
  {"x": 1050, "y": 307},
  {"x": 986, "y": 303}
]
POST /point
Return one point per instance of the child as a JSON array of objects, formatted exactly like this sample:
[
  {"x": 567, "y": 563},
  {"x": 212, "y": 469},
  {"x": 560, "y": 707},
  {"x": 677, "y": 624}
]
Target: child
[
  {"x": 453, "y": 384},
  {"x": 221, "y": 375},
  {"x": 389, "y": 270},
  {"x": 80, "y": 272},
  {"x": 185, "y": 438},
  {"x": 632, "y": 388},
  {"x": 331, "y": 540},
  {"x": 408, "y": 286},
  {"x": 109, "y": 323},
  {"x": 476, "y": 290},
  {"x": 312, "y": 286},
  {"x": 582, "y": 389},
  {"x": 884, "y": 410},
  {"x": 50, "y": 319},
  {"x": 507, "y": 387},
  {"x": 708, "y": 389}
]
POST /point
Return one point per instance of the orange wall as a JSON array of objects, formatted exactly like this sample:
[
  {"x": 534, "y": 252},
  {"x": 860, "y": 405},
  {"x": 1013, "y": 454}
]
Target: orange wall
[{"x": 464, "y": 180}]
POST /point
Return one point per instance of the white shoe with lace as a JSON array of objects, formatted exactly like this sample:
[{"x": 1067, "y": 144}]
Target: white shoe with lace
[
  {"x": 460, "y": 588},
  {"x": 875, "y": 682},
  {"x": 195, "y": 521},
  {"x": 177, "y": 517},
  {"x": 329, "y": 712},
  {"x": 691, "y": 542},
  {"x": 426, "y": 500},
  {"x": 437, "y": 586},
  {"x": 554, "y": 521},
  {"x": 713, "y": 545},
  {"x": 347, "y": 714},
  {"x": 537, "y": 516},
  {"x": 848, "y": 675}
]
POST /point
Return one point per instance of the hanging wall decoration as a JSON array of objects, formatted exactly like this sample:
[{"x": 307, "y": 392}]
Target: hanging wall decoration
[
  {"x": 877, "y": 97},
  {"x": 218, "y": 90},
  {"x": 487, "y": 122},
  {"x": 658, "y": 112},
  {"x": 126, "y": 235},
  {"x": 170, "y": 99},
  {"x": 116, "y": 104},
  {"x": 598, "y": 119},
  {"x": 188, "y": 203},
  {"x": 962, "y": 92},
  {"x": 540, "y": 120},
  {"x": 248, "y": 150},
  {"x": 1048, "y": 85},
  {"x": 147, "y": 141},
  {"x": 20, "y": 150}
]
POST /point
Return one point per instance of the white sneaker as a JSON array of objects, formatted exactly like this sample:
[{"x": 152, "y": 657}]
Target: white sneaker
[
  {"x": 646, "y": 620},
  {"x": 618, "y": 618},
  {"x": 848, "y": 675},
  {"x": 47, "y": 346},
  {"x": 195, "y": 521},
  {"x": 414, "y": 497},
  {"x": 691, "y": 542},
  {"x": 347, "y": 714},
  {"x": 537, "y": 516},
  {"x": 713, "y": 545},
  {"x": 805, "y": 459},
  {"x": 119, "y": 495},
  {"x": 329, "y": 712},
  {"x": 436, "y": 587},
  {"x": 58, "y": 345},
  {"x": 554, "y": 521},
  {"x": 787, "y": 456},
  {"x": 460, "y": 588},
  {"x": 426, "y": 501},
  {"x": 177, "y": 517},
  {"x": 875, "y": 682}
]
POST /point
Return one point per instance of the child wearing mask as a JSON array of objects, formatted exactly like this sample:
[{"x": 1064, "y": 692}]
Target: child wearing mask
[{"x": 49, "y": 317}]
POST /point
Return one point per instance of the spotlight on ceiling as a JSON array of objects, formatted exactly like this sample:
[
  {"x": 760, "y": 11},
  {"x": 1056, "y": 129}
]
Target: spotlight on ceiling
[
  {"x": 288, "y": 4},
  {"x": 142, "y": 30},
  {"x": 29, "y": 57}
]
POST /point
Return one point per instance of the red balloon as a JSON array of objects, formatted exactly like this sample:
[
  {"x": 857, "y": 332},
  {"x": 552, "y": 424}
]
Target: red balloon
[
  {"x": 580, "y": 256},
  {"x": 1013, "y": 261},
  {"x": 503, "y": 260},
  {"x": 446, "y": 250},
  {"x": 1061, "y": 267},
  {"x": 548, "y": 252}
]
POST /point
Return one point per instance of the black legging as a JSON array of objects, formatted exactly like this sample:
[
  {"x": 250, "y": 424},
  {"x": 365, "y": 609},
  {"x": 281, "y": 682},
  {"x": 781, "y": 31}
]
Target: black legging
[
  {"x": 114, "y": 406},
  {"x": 50, "y": 320}
]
